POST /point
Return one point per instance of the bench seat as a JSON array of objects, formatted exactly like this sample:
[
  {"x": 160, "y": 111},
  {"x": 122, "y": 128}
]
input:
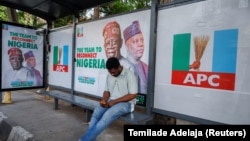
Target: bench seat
[{"x": 89, "y": 105}]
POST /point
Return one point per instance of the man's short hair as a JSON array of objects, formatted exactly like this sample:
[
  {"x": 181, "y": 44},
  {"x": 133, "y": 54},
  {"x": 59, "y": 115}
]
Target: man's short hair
[{"x": 112, "y": 63}]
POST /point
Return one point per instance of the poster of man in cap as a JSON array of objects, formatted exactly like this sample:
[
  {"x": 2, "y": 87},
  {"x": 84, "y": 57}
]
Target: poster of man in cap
[
  {"x": 18, "y": 73},
  {"x": 30, "y": 60},
  {"x": 134, "y": 42},
  {"x": 113, "y": 43},
  {"x": 21, "y": 47},
  {"x": 106, "y": 40}
]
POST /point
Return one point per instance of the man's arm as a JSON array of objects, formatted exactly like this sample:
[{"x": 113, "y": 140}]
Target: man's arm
[
  {"x": 124, "y": 98},
  {"x": 105, "y": 98}
]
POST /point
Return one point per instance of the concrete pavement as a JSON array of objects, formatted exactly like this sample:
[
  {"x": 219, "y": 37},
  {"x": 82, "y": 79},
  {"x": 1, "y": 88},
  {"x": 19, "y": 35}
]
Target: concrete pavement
[{"x": 35, "y": 114}]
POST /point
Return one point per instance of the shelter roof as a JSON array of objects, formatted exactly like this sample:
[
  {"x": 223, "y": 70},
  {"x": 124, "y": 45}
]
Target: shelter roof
[{"x": 51, "y": 10}]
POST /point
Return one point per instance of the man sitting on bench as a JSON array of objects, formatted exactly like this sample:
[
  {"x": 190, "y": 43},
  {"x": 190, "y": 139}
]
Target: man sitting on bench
[{"x": 119, "y": 98}]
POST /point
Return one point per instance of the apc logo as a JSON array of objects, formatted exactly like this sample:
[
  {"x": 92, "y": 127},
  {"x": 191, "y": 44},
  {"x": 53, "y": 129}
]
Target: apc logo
[
  {"x": 4, "y": 26},
  {"x": 79, "y": 32},
  {"x": 60, "y": 58},
  {"x": 224, "y": 55}
]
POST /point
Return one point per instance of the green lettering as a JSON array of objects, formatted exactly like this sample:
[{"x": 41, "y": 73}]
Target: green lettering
[
  {"x": 91, "y": 63},
  {"x": 22, "y": 44}
]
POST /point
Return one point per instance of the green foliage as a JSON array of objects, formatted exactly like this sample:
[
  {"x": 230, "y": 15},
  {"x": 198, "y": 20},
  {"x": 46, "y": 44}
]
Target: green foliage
[
  {"x": 119, "y": 6},
  {"x": 3, "y": 13},
  {"x": 112, "y": 8},
  {"x": 31, "y": 20},
  {"x": 63, "y": 21},
  {"x": 139, "y": 4},
  {"x": 23, "y": 18}
]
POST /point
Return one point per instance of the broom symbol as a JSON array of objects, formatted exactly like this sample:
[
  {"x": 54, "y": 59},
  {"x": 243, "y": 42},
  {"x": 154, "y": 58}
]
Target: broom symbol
[
  {"x": 60, "y": 54},
  {"x": 200, "y": 44}
]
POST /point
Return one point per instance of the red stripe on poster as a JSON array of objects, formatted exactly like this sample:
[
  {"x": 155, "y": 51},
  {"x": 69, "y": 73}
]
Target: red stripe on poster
[
  {"x": 212, "y": 80},
  {"x": 60, "y": 68}
]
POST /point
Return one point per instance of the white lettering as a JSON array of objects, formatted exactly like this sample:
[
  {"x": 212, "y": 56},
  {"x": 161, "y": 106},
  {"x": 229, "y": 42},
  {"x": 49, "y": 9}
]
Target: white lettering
[
  {"x": 189, "y": 78},
  {"x": 60, "y": 68},
  {"x": 211, "y": 82},
  {"x": 200, "y": 78}
]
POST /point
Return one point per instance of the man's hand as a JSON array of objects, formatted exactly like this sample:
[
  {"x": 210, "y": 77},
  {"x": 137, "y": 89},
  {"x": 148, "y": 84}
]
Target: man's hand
[
  {"x": 104, "y": 103},
  {"x": 111, "y": 103}
]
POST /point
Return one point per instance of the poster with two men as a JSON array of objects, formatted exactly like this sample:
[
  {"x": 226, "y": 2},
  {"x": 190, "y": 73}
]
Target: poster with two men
[{"x": 22, "y": 54}]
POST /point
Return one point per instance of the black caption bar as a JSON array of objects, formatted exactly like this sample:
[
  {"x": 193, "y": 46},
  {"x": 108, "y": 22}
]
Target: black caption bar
[{"x": 187, "y": 132}]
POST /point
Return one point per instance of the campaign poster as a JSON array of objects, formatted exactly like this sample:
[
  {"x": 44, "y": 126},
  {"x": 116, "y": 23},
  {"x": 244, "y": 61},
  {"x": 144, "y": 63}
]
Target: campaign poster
[
  {"x": 22, "y": 53},
  {"x": 202, "y": 61},
  {"x": 96, "y": 41},
  {"x": 60, "y": 58}
]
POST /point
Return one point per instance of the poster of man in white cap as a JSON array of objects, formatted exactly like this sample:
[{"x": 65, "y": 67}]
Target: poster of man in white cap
[
  {"x": 18, "y": 73},
  {"x": 124, "y": 37},
  {"x": 113, "y": 43},
  {"x": 22, "y": 51}
]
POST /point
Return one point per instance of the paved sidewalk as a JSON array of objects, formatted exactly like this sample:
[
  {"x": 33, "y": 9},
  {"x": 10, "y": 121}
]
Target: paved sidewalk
[{"x": 35, "y": 114}]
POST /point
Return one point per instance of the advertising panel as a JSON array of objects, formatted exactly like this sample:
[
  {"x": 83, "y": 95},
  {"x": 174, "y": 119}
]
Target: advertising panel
[
  {"x": 99, "y": 40},
  {"x": 60, "y": 58},
  {"x": 201, "y": 60},
  {"x": 22, "y": 53}
]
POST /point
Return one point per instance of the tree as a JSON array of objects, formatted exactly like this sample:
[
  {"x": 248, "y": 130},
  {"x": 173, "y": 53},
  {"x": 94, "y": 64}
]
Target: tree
[
  {"x": 96, "y": 12},
  {"x": 63, "y": 21},
  {"x": 29, "y": 19},
  {"x": 111, "y": 8},
  {"x": 3, "y": 13},
  {"x": 12, "y": 15},
  {"x": 165, "y": 1},
  {"x": 17, "y": 16},
  {"x": 119, "y": 6}
]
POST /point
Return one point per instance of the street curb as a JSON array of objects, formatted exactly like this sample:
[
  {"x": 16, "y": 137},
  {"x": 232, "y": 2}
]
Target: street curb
[{"x": 10, "y": 131}]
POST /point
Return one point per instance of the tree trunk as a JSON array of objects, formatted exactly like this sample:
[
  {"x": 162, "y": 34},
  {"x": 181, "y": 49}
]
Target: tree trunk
[
  {"x": 12, "y": 15},
  {"x": 96, "y": 12},
  {"x": 165, "y": 1}
]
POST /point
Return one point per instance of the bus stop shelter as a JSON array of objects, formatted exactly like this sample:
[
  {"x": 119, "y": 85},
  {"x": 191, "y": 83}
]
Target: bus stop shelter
[{"x": 51, "y": 10}]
